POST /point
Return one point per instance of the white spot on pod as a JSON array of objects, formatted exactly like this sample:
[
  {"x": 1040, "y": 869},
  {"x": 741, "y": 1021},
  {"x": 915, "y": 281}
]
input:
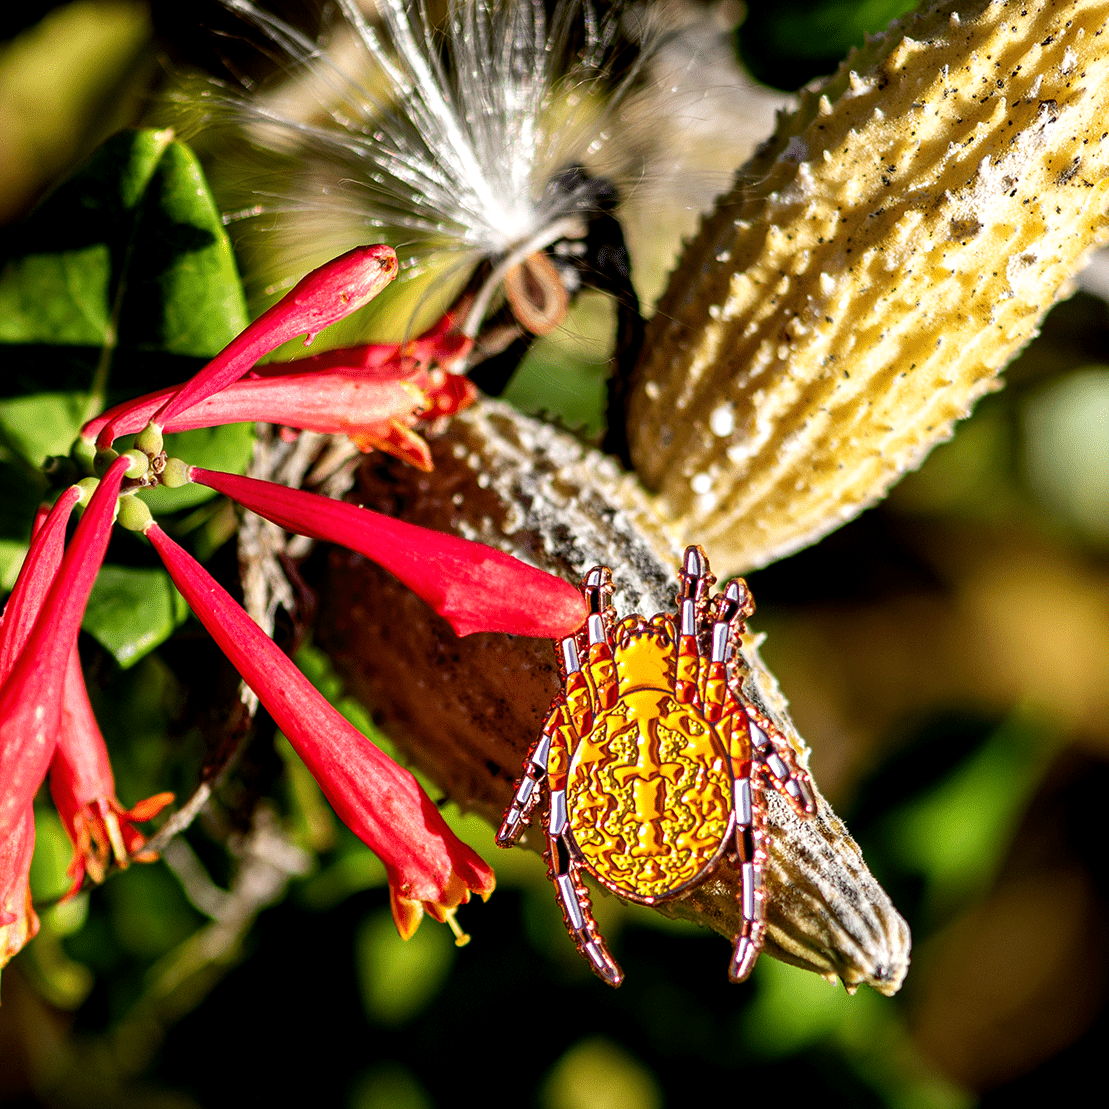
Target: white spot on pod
[{"x": 722, "y": 421}]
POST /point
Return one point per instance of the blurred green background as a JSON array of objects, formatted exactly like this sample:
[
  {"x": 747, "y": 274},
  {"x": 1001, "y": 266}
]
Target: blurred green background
[{"x": 946, "y": 655}]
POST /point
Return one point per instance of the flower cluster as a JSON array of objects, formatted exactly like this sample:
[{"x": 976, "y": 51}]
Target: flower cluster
[{"x": 374, "y": 394}]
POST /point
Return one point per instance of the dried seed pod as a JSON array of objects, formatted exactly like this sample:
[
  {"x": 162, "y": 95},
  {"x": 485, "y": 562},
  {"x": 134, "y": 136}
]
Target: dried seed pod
[
  {"x": 877, "y": 263},
  {"x": 465, "y": 710}
]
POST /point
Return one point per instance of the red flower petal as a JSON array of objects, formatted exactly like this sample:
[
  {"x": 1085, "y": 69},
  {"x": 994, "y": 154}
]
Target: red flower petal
[
  {"x": 476, "y": 588},
  {"x": 341, "y": 401},
  {"x": 327, "y": 294},
  {"x": 54, "y": 600},
  {"x": 37, "y": 574},
  {"x": 378, "y": 800},
  {"x": 83, "y": 788},
  {"x": 31, "y": 696},
  {"x": 18, "y": 922},
  {"x": 355, "y": 391}
]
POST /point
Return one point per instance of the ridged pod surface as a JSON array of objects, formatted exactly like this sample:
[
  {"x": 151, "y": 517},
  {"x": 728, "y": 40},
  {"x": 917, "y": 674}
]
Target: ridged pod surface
[{"x": 877, "y": 263}]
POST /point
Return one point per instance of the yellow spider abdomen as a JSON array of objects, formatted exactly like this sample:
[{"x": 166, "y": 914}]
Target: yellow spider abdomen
[{"x": 648, "y": 795}]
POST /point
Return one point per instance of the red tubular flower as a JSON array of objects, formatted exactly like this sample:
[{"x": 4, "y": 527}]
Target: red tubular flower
[
  {"x": 430, "y": 360},
  {"x": 373, "y": 393},
  {"x": 41, "y": 622},
  {"x": 444, "y": 395},
  {"x": 428, "y": 866},
  {"x": 37, "y": 574},
  {"x": 31, "y": 696},
  {"x": 374, "y": 407},
  {"x": 18, "y": 922},
  {"x": 341, "y": 400},
  {"x": 476, "y": 588},
  {"x": 326, "y": 295},
  {"x": 83, "y": 788}
]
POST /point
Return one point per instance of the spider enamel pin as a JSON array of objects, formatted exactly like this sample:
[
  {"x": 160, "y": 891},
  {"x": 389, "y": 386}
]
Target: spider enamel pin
[{"x": 654, "y": 762}]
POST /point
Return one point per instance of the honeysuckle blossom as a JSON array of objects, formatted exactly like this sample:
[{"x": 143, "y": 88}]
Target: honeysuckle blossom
[
  {"x": 82, "y": 785},
  {"x": 325, "y": 296},
  {"x": 339, "y": 400},
  {"x": 476, "y": 588},
  {"x": 32, "y": 691},
  {"x": 428, "y": 866},
  {"x": 373, "y": 393},
  {"x": 18, "y": 921},
  {"x": 32, "y": 694},
  {"x": 81, "y": 780},
  {"x": 36, "y": 575}
]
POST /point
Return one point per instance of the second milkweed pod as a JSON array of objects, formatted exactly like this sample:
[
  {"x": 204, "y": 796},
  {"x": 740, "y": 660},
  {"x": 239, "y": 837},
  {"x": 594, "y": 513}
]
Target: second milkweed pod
[{"x": 886, "y": 252}]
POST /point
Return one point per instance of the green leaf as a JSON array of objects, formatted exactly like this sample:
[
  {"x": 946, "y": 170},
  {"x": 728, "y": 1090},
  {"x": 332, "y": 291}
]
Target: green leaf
[
  {"x": 129, "y": 250},
  {"x": 58, "y": 298},
  {"x": 53, "y": 854},
  {"x": 389, "y": 1085},
  {"x": 12, "y": 554},
  {"x": 786, "y": 43},
  {"x": 185, "y": 296},
  {"x": 21, "y": 492},
  {"x": 42, "y": 424},
  {"x": 955, "y": 836},
  {"x": 132, "y": 610},
  {"x": 399, "y": 977},
  {"x": 124, "y": 270}
]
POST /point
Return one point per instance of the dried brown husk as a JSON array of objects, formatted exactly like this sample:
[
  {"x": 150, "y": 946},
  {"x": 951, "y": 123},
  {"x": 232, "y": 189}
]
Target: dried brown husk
[{"x": 876, "y": 265}]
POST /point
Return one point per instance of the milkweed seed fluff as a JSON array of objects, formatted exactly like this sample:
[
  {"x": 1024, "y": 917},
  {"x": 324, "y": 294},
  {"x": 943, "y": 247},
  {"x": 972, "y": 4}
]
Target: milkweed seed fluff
[{"x": 493, "y": 143}]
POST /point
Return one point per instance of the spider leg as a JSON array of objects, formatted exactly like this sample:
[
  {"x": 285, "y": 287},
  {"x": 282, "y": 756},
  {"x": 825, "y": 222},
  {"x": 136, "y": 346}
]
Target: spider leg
[
  {"x": 692, "y": 585},
  {"x": 724, "y": 710},
  {"x": 573, "y": 897},
  {"x": 570, "y": 712},
  {"x": 518, "y": 814},
  {"x": 769, "y": 747},
  {"x": 714, "y": 685},
  {"x": 774, "y": 754},
  {"x": 749, "y": 824},
  {"x": 600, "y": 667}
]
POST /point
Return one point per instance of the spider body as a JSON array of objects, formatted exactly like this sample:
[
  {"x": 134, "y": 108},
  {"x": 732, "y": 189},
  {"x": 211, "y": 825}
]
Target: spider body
[{"x": 654, "y": 761}]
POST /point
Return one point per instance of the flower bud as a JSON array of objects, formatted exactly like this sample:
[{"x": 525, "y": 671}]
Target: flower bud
[
  {"x": 88, "y": 487},
  {"x": 83, "y": 453}
]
